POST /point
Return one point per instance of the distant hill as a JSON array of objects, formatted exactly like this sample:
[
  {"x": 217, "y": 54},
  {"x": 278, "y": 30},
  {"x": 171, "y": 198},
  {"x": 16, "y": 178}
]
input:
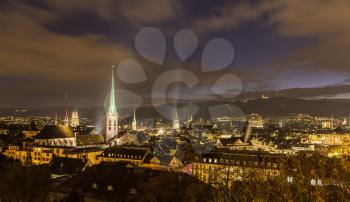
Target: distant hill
[
  {"x": 285, "y": 106},
  {"x": 273, "y": 106}
]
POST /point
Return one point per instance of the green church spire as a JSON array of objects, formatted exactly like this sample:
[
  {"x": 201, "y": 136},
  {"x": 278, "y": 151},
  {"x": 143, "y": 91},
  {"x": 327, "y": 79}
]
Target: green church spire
[{"x": 112, "y": 109}]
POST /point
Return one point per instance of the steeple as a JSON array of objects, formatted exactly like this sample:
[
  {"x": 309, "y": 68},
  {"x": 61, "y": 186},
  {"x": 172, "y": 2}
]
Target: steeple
[
  {"x": 112, "y": 114},
  {"x": 176, "y": 122},
  {"x": 75, "y": 118},
  {"x": 66, "y": 119},
  {"x": 134, "y": 123},
  {"x": 112, "y": 109},
  {"x": 56, "y": 122}
]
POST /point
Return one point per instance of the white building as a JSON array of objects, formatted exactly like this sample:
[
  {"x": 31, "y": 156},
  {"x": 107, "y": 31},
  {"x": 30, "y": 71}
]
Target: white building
[
  {"x": 75, "y": 118},
  {"x": 134, "y": 123},
  {"x": 176, "y": 122}
]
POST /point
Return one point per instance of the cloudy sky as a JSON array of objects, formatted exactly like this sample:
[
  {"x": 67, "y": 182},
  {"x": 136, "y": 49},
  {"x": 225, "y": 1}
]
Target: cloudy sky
[{"x": 49, "y": 47}]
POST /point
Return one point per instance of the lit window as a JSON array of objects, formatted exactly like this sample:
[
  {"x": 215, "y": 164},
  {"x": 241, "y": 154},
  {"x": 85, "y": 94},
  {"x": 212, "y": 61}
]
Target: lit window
[
  {"x": 110, "y": 188},
  {"x": 94, "y": 186}
]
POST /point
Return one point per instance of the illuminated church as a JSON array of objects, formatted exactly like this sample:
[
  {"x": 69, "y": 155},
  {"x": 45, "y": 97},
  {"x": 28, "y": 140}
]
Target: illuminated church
[{"x": 112, "y": 114}]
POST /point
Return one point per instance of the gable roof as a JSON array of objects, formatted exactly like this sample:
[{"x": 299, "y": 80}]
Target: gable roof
[
  {"x": 89, "y": 139},
  {"x": 137, "y": 153},
  {"x": 231, "y": 141}
]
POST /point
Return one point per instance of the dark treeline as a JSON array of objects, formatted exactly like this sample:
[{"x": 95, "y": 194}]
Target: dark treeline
[{"x": 312, "y": 177}]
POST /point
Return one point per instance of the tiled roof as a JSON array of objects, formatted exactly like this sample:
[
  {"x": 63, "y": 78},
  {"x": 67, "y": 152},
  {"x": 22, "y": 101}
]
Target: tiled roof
[
  {"x": 125, "y": 152},
  {"x": 89, "y": 139}
]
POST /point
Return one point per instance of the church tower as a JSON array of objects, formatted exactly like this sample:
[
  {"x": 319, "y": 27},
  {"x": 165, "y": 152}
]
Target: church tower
[
  {"x": 75, "y": 118},
  {"x": 112, "y": 115},
  {"x": 134, "y": 123},
  {"x": 66, "y": 119},
  {"x": 176, "y": 122}
]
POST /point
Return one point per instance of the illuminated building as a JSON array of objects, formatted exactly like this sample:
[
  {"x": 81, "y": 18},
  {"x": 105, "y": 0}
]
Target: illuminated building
[
  {"x": 37, "y": 155},
  {"x": 56, "y": 135},
  {"x": 327, "y": 124},
  {"x": 222, "y": 168},
  {"x": 328, "y": 139},
  {"x": 176, "y": 122},
  {"x": 75, "y": 118},
  {"x": 255, "y": 121},
  {"x": 135, "y": 155},
  {"x": 112, "y": 114},
  {"x": 134, "y": 123}
]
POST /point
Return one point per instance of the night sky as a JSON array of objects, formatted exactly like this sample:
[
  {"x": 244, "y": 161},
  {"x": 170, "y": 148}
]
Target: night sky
[{"x": 49, "y": 47}]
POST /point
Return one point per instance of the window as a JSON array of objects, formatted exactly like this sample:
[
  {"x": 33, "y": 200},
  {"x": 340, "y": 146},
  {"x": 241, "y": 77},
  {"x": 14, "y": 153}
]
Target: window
[
  {"x": 274, "y": 165},
  {"x": 94, "y": 185},
  {"x": 204, "y": 160},
  {"x": 110, "y": 188}
]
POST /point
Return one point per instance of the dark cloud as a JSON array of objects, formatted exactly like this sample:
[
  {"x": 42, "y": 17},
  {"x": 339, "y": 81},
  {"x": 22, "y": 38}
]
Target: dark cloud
[
  {"x": 43, "y": 53},
  {"x": 325, "y": 22}
]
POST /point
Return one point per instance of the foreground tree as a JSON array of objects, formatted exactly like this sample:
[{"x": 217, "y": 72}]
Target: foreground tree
[
  {"x": 173, "y": 187},
  {"x": 20, "y": 183}
]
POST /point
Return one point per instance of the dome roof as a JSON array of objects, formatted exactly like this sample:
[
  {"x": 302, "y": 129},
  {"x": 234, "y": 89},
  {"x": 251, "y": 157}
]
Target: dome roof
[{"x": 55, "y": 131}]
